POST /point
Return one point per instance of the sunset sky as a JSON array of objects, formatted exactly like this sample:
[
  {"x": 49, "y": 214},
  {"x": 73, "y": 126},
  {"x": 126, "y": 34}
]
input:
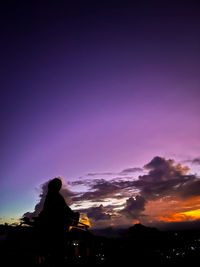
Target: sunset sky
[{"x": 105, "y": 95}]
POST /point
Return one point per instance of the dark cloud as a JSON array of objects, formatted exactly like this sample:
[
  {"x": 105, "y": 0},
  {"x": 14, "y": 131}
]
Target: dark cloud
[
  {"x": 134, "y": 207},
  {"x": 166, "y": 179},
  {"x": 165, "y": 169},
  {"x": 123, "y": 172},
  {"x": 97, "y": 213},
  {"x": 163, "y": 178},
  {"x": 130, "y": 170},
  {"x": 191, "y": 189},
  {"x": 39, "y": 206},
  {"x": 100, "y": 189},
  {"x": 85, "y": 182},
  {"x": 99, "y": 173},
  {"x": 195, "y": 161}
]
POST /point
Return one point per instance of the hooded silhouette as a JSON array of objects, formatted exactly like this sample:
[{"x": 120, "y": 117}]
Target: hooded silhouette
[
  {"x": 56, "y": 214},
  {"x": 54, "y": 220}
]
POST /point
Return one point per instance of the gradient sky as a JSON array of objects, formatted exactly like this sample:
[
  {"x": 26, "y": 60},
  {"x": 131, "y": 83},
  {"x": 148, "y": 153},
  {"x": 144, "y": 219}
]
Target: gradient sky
[{"x": 96, "y": 88}]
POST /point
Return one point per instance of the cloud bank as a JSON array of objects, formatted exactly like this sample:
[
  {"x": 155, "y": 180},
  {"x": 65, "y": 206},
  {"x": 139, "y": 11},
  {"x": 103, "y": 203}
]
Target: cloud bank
[
  {"x": 122, "y": 198},
  {"x": 163, "y": 181}
]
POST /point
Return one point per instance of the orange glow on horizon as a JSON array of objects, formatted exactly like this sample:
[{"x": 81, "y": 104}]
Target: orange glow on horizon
[
  {"x": 174, "y": 209},
  {"x": 182, "y": 216},
  {"x": 193, "y": 213}
]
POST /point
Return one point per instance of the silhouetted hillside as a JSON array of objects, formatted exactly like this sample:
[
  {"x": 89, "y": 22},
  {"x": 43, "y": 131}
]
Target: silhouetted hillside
[{"x": 138, "y": 244}]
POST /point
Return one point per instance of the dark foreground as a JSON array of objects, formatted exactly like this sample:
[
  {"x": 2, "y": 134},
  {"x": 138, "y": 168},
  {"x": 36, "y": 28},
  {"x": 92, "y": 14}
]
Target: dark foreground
[{"x": 20, "y": 246}]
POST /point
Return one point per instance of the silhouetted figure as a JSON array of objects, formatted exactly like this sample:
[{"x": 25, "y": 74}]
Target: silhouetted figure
[
  {"x": 54, "y": 219},
  {"x": 56, "y": 212}
]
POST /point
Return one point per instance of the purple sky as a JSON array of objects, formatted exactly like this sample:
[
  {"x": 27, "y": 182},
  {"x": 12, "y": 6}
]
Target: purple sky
[{"x": 95, "y": 88}]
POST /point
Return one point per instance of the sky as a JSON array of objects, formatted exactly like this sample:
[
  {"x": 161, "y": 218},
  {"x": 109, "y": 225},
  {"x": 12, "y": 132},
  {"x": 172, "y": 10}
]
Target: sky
[{"x": 106, "y": 96}]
